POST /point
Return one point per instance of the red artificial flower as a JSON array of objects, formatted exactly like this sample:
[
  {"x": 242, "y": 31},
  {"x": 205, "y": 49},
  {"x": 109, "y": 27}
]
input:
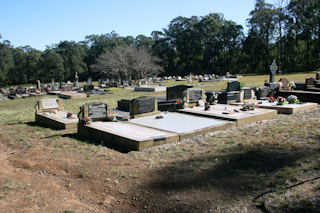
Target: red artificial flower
[
  {"x": 272, "y": 98},
  {"x": 178, "y": 101}
]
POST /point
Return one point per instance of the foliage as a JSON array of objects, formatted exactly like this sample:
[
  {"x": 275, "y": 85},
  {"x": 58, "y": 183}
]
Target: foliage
[{"x": 287, "y": 31}]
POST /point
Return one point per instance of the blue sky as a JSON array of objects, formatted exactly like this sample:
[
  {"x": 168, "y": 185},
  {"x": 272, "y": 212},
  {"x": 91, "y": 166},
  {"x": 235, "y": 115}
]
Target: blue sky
[{"x": 39, "y": 23}]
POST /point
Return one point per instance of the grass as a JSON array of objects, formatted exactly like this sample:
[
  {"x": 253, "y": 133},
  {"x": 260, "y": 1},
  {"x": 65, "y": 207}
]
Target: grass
[
  {"x": 22, "y": 110},
  {"x": 233, "y": 165}
]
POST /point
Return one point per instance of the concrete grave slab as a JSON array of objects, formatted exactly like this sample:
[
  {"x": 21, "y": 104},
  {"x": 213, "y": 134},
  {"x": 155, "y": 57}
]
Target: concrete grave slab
[
  {"x": 228, "y": 112},
  {"x": 50, "y": 113},
  {"x": 150, "y": 89},
  {"x": 283, "y": 109},
  {"x": 127, "y": 135},
  {"x": 184, "y": 125},
  {"x": 72, "y": 95}
]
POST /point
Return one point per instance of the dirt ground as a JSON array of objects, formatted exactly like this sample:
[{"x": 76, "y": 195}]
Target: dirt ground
[{"x": 268, "y": 166}]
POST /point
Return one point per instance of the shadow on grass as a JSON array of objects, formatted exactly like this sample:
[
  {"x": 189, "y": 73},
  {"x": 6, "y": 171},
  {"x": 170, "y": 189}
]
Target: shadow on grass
[
  {"x": 236, "y": 175},
  {"x": 94, "y": 142}
]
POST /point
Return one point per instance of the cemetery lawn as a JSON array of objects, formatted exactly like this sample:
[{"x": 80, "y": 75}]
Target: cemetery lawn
[{"x": 267, "y": 166}]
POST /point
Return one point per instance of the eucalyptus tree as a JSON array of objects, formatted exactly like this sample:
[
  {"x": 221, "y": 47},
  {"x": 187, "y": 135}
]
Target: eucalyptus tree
[
  {"x": 51, "y": 65},
  {"x": 73, "y": 55},
  {"x": 6, "y": 61},
  {"x": 261, "y": 30}
]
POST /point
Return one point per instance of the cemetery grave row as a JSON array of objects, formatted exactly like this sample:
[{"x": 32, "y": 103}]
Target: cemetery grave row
[{"x": 138, "y": 123}]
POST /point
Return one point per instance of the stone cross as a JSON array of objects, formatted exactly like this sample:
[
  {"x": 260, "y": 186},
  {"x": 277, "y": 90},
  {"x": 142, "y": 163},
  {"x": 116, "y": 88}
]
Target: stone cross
[{"x": 273, "y": 70}]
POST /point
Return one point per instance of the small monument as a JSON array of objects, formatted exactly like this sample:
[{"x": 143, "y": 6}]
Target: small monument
[
  {"x": 76, "y": 80},
  {"x": 273, "y": 70}
]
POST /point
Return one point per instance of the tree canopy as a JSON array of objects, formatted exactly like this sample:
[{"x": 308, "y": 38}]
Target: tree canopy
[{"x": 288, "y": 31}]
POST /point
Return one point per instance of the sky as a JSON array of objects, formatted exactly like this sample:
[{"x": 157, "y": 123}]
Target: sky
[{"x": 41, "y": 23}]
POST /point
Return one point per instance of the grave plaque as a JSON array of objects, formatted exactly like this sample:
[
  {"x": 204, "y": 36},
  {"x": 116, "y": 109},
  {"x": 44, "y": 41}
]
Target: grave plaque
[
  {"x": 176, "y": 92},
  {"x": 233, "y": 86},
  {"x": 124, "y": 104},
  {"x": 97, "y": 111},
  {"x": 263, "y": 93},
  {"x": 194, "y": 95}
]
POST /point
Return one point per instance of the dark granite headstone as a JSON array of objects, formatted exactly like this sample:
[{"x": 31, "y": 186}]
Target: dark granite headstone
[
  {"x": 144, "y": 105},
  {"x": 88, "y": 87},
  {"x": 124, "y": 104},
  {"x": 300, "y": 86},
  {"x": 12, "y": 92},
  {"x": 97, "y": 111},
  {"x": 226, "y": 97},
  {"x": 212, "y": 97},
  {"x": 264, "y": 93},
  {"x": 176, "y": 92},
  {"x": 233, "y": 86},
  {"x": 318, "y": 75},
  {"x": 125, "y": 83}
]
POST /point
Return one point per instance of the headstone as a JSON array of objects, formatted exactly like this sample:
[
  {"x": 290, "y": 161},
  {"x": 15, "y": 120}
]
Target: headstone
[
  {"x": 12, "y": 92},
  {"x": 38, "y": 85},
  {"x": 193, "y": 95},
  {"x": 310, "y": 82},
  {"x": 19, "y": 90},
  {"x": 273, "y": 70},
  {"x": 284, "y": 84},
  {"x": 300, "y": 86},
  {"x": 190, "y": 78},
  {"x": 318, "y": 75},
  {"x": 66, "y": 87},
  {"x": 212, "y": 97},
  {"x": 233, "y": 86},
  {"x": 89, "y": 82},
  {"x": 97, "y": 111},
  {"x": 124, "y": 104},
  {"x": 227, "y": 97},
  {"x": 247, "y": 93},
  {"x": 143, "y": 105},
  {"x": 94, "y": 111},
  {"x": 177, "y": 92},
  {"x": 264, "y": 92},
  {"x": 32, "y": 90},
  {"x": 125, "y": 83},
  {"x": 49, "y": 105},
  {"x": 56, "y": 87},
  {"x": 143, "y": 82},
  {"x": 76, "y": 80},
  {"x": 52, "y": 83}
]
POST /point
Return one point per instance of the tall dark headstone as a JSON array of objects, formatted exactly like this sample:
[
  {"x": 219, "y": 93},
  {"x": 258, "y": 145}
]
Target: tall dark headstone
[
  {"x": 176, "y": 92},
  {"x": 233, "y": 86}
]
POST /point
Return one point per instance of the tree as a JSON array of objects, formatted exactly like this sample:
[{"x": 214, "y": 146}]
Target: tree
[
  {"x": 73, "y": 55},
  {"x": 6, "y": 62},
  {"x": 127, "y": 62},
  {"x": 51, "y": 66}
]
